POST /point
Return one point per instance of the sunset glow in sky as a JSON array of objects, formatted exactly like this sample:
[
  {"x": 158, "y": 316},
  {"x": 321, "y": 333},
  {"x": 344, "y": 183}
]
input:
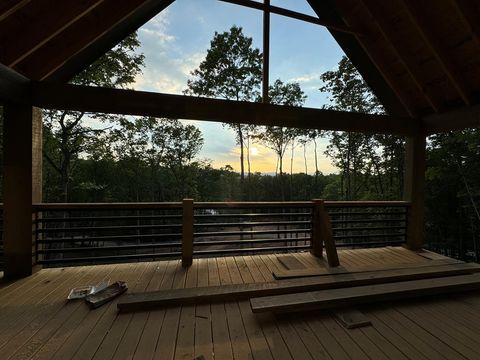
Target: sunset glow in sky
[{"x": 176, "y": 41}]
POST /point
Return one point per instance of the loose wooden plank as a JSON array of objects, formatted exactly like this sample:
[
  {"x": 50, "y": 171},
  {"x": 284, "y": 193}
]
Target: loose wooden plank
[
  {"x": 430, "y": 255},
  {"x": 336, "y": 298},
  {"x": 290, "y": 274},
  {"x": 352, "y": 318},
  {"x": 290, "y": 262},
  {"x": 142, "y": 301}
]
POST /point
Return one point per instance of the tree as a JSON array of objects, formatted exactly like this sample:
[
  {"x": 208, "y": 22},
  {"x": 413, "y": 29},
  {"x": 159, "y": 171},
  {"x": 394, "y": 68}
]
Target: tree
[
  {"x": 278, "y": 138},
  {"x": 184, "y": 142},
  {"x": 232, "y": 70},
  {"x": 360, "y": 155},
  {"x": 67, "y": 132}
]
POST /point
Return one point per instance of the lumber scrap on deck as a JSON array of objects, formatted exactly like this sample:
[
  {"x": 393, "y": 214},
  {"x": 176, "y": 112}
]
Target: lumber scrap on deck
[
  {"x": 291, "y": 274},
  {"x": 345, "y": 297},
  {"x": 148, "y": 300},
  {"x": 352, "y": 318}
]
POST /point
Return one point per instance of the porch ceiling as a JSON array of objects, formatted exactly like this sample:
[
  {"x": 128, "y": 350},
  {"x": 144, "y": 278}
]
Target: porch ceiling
[{"x": 420, "y": 58}]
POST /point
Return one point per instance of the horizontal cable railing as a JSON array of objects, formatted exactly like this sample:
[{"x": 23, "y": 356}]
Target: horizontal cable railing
[
  {"x": 120, "y": 232},
  {"x": 105, "y": 233},
  {"x": 249, "y": 227},
  {"x": 368, "y": 224}
]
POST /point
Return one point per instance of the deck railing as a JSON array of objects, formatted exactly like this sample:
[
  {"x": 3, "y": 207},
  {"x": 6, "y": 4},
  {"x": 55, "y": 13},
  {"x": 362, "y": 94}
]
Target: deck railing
[{"x": 120, "y": 232}]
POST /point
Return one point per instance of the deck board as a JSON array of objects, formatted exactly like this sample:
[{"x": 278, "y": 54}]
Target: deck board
[{"x": 36, "y": 322}]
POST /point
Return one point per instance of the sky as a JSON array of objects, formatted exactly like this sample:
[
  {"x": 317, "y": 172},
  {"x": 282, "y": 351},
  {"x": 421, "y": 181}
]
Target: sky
[{"x": 176, "y": 41}]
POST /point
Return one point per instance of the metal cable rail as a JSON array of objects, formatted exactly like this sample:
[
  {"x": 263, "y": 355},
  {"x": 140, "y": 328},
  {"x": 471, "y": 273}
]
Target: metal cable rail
[{"x": 71, "y": 234}]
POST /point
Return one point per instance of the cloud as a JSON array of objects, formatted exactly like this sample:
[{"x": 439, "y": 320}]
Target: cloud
[
  {"x": 306, "y": 78},
  {"x": 157, "y": 28}
]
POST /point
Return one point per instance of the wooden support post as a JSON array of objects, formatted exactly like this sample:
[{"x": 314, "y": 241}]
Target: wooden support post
[
  {"x": 187, "y": 233},
  {"x": 414, "y": 189},
  {"x": 322, "y": 230},
  {"x": 22, "y": 134},
  {"x": 266, "y": 51},
  {"x": 317, "y": 243}
]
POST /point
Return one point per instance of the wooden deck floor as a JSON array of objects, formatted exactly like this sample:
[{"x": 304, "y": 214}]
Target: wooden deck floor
[{"x": 36, "y": 322}]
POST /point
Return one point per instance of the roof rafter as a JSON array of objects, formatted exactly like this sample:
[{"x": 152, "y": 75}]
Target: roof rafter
[
  {"x": 389, "y": 35},
  {"x": 8, "y": 7},
  {"x": 375, "y": 56},
  {"x": 109, "y": 39},
  {"x": 469, "y": 18},
  {"x": 441, "y": 55},
  {"x": 129, "y": 102},
  {"x": 326, "y": 10},
  {"x": 46, "y": 26}
]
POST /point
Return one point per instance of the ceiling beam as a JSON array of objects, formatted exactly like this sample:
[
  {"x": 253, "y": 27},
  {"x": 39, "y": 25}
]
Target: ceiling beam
[
  {"x": 412, "y": 68},
  {"x": 326, "y": 10},
  {"x": 56, "y": 16},
  {"x": 464, "y": 118},
  {"x": 291, "y": 14},
  {"x": 433, "y": 43},
  {"x": 13, "y": 86},
  {"x": 129, "y": 102}
]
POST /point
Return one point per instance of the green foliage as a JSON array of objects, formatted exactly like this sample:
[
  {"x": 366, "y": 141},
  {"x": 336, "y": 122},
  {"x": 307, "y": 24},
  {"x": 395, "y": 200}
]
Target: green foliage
[
  {"x": 232, "y": 70},
  {"x": 371, "y": 165},
  {"x": 66, "y": 133}
]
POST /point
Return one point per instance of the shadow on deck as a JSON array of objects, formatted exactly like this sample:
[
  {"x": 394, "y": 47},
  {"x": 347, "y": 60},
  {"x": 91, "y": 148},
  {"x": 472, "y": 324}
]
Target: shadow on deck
[{"x": 36, "y": 322}]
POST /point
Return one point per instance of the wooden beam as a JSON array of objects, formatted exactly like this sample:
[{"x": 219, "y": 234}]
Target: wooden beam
[
  {"x": 434, "y": 44},
  {"x": 266, "y": 52},
  {"x": 327, "y": 11},
  {"x": 346, "y": 297},
  {"x": 9, "y": 7},
  {"x": 210, "y": 294},
  {"x": 13, "y": 86},
  {"x": 16, "y": 35},
  {"x": 412, "y": 68},
  {"x": 129, "y": 102},
  {"x": 463, "y": 118},
  {"x": 414, "y": 189},
  {"x": 88, "y": 38},
  {"x": 338, "y": 26}
]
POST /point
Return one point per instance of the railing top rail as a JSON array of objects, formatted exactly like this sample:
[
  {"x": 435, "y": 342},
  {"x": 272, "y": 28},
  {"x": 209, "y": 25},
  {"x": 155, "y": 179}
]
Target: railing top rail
[
  {"x": 212, "y": 205},
  {"x": 108, "y": 206},
  {"x": 251, "y": 204},
  {"x": 367, "y": 203}
]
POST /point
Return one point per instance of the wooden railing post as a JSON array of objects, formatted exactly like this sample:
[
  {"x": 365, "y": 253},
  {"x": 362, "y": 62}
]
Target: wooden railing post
[
  {"x": 322, "y": 232},
  {"x": 317, "y": 243},
  {"x": 187, "y": 232}
]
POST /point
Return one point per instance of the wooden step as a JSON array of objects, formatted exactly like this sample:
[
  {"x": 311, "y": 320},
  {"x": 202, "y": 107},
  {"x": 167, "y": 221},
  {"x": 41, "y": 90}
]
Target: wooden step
[
  {"x": 346, "y": 297},
  {"x": 175, "y": 297},
  {"x": 292, "y": 274}
]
